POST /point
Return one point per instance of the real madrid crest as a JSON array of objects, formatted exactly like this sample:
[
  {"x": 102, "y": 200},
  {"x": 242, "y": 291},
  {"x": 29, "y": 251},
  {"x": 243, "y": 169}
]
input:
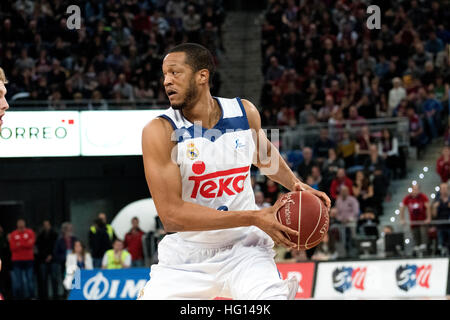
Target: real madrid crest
[{"x": 192, "y": 151}]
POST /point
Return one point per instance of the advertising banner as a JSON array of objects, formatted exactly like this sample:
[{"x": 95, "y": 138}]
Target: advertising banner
[
  {"x": 382, "y": 279},
  {"x": 111, "y": 133},
  {"x": 73, "y": 133},
  {"x": 100, "y": 284},
  {"x": 304, "y": 272},
  {"x": 40, "y": 134},
  {"x": 124, "y": 284}
]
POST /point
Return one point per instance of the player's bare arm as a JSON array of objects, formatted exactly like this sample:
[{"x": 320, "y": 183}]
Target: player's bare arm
[
  {"x": 283, "y": 174},
  {"x": 164, "y": 182}
]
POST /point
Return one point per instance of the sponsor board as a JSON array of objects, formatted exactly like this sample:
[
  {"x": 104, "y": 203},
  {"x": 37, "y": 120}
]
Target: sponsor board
[
  {"x": 40, "y": 134},
  {"x": 73, "y": 133},
  {"x": 113, "y": 133},
  {"x": 100, "y": 284},
  {"x": 304, "y": 273},
  {"x": 382, "y": 279}
]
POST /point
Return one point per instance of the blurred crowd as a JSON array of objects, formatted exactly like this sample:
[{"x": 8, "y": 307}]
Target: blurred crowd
[
  {"x": 42, "y": 264},
  {"x": 115, "y": 55},
  {"x": 357, "y": 204},
  {"x": 355, "y": 174},
  {"x": 324, "y": 68},
  {"x": 321, "y": 64}
]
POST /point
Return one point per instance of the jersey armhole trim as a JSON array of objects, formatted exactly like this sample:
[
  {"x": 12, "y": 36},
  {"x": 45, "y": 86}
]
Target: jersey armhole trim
[
  {"x": 168, "y": 119},
  {"x": 244, "y": 114}
]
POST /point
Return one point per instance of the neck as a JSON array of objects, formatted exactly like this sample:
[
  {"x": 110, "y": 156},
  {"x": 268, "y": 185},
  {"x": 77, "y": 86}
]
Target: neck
[{"x": 205, "y": 110}]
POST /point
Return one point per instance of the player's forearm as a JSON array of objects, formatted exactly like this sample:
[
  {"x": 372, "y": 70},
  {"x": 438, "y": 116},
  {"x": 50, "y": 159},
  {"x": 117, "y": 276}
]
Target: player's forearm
[{"x": 189, "y": 216}]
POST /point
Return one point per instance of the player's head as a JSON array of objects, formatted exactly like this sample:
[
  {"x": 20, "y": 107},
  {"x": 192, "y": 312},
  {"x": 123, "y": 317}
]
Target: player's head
[
  {"x": 188, "y": 70},
  {"x": 3, "y": 103}
]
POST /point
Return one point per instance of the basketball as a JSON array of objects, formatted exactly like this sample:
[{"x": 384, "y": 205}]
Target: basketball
[{"x": 307, "y": 214}]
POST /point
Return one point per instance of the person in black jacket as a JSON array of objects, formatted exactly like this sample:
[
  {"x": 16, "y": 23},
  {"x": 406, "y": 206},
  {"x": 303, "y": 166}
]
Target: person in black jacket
[
  {"x": 5, "y": 266},
  {"x": 45, "y": 243},
  {"x": 64, "y": 245},
  {"x": 99, "y": 242}
]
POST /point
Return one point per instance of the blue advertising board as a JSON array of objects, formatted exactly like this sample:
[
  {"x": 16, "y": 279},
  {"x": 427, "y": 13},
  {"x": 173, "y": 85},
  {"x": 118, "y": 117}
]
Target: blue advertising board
[{"x": 101, "y": 284}]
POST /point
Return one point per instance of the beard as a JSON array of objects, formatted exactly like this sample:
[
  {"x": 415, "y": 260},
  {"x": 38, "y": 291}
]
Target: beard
[{"x": 191, "y": 94}]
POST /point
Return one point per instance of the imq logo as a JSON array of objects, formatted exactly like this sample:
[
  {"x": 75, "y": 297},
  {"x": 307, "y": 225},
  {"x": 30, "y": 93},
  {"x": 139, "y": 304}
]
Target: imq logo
[{"x": 99, "y": 287}]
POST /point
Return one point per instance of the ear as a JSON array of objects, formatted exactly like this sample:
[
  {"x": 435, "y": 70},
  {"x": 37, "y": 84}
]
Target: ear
[{"x": 203, "y": 76}]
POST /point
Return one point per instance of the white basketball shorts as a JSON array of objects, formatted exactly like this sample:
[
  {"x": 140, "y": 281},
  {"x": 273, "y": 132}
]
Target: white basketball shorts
[{"x": 244, "y": 270}]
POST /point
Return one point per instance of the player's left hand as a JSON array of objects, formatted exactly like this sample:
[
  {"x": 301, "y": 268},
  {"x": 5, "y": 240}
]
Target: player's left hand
[{"x": 299, "y": 186}]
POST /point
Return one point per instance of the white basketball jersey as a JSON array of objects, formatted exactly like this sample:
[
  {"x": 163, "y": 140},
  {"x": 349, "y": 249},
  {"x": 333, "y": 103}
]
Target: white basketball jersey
[{"x": 215, "y": 166}]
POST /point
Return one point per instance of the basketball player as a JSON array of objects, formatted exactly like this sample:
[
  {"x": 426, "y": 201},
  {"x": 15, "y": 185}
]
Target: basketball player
[
  {"x": 3, "y": 103},
  {"x": 197, "y": 158},
  {"x": 3, "y": 107}
]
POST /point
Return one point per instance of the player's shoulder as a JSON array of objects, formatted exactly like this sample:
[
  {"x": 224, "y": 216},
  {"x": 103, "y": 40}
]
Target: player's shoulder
[
  {"x": 254, "y": 119},
  {"x": 157, "y": 133},
  {"x": 158, "y": 125},
  {"x": 249, "y": 106}
]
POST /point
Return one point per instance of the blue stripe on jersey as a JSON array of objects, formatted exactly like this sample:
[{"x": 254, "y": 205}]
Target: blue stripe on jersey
[
  {"x": 242, "y": 107},
  {"x": 227, "y": 125},
  {"x": 224, "y": 125}
]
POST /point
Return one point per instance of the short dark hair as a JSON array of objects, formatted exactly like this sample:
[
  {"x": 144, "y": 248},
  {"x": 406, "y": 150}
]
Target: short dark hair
[{"x": 197, "y": 57}]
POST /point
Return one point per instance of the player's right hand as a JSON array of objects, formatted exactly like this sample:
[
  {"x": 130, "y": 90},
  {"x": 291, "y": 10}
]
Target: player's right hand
[{"x": 267, "y": 221}]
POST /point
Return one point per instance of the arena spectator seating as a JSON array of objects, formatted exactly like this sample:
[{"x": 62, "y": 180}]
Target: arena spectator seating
[
  {"x": 115, "y": 56},
  {"x": 344, "y": 84}
]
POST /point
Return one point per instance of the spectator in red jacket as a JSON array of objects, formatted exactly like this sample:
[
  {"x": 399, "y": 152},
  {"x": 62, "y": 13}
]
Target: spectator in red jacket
[
  {"x": 443, "y": 164},
  {"x": 340, "y": 180},
  {"x": 133, "y": 243},
  {"x": 21, "y": 243},
  {"x": 419, "y": 211}
]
